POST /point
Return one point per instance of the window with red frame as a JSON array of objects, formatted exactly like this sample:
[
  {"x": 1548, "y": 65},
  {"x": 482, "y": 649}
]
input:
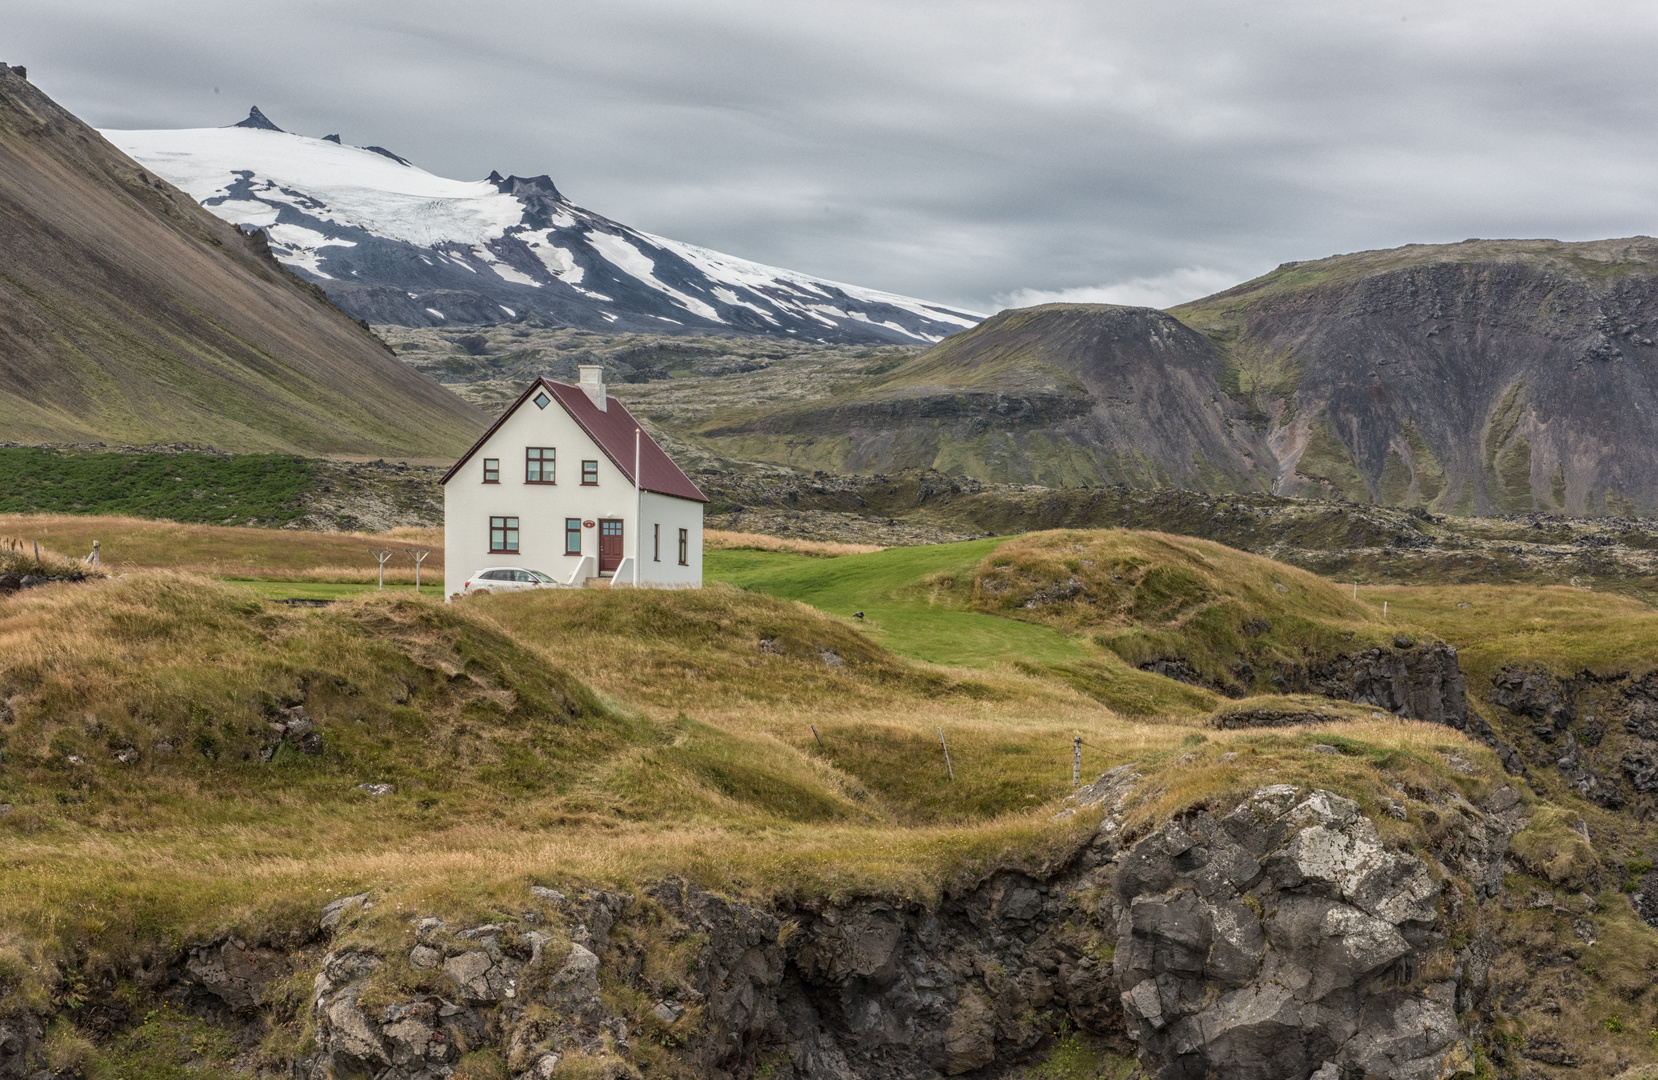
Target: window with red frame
[
  {"x": 503, "y": 536},
  {"x": 538, "y": 465}
]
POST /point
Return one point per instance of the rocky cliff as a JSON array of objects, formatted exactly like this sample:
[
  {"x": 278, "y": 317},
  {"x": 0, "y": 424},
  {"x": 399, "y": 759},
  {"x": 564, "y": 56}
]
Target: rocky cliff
[
  {"x": 1486, "y": 376},
  {"x": 1285, "y": 936},
  {"x": 1474, "y": 378}
]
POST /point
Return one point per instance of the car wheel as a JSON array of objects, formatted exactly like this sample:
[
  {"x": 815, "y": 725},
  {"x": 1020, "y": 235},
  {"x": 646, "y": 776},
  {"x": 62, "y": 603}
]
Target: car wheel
[{"x": 480, "y": 592}]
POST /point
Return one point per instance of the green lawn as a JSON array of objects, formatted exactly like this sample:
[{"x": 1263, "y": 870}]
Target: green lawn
[
  {"x": 210, "y": 488},
  {"x": 901, "y": 610},
  {"x": 266, "y": 589}
]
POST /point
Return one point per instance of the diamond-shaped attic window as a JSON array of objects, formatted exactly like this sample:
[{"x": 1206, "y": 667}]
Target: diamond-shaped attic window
[{"x": 542, "y": 400}]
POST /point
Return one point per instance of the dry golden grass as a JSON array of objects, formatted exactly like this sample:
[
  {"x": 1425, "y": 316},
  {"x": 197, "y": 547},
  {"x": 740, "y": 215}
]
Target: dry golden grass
[
  {"x": 1563, "y": 629},
  {"x": 1232, "y": 617},
  {"x": 18, "y": 556},
  {"x": 562, "y": 737},
  {"x": 127, "y": 544},
  {"x": 614, "y": 738},
  {"x": 727, "y": 540}
]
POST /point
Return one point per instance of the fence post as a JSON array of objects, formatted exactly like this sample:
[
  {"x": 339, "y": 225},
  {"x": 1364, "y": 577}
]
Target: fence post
[
  {"x": 1076, "y": 760},
  {"x": 947, "y": 767},
  {"x": 816, "y": 736}
]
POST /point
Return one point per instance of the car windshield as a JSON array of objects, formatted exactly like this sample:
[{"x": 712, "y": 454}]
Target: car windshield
[{"x": 539, "y": 576}]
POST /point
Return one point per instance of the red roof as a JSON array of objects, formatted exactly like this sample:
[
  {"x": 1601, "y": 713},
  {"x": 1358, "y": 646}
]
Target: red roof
[{"x": 612, "y": 429}]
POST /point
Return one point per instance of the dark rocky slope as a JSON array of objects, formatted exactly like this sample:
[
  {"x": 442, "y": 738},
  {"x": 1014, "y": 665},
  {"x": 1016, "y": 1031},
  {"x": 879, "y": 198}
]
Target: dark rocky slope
[
  {"x": 1280, "y": 938},
  {"x": 128, "y": 314},
  {"x": 1061, "y": 394},
  {"x": 1475, "y": 378},
  {"x": 1484, "y": 376}
]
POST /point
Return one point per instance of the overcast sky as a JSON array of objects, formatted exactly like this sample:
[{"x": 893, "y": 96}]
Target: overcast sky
[{"x": 981, "y": 153}]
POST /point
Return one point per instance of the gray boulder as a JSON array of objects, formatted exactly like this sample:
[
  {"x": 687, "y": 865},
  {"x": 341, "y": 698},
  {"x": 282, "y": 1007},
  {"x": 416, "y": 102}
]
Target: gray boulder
[
  {"x": 1280, "y": 942},
  {"x": 236, "y": 974}
]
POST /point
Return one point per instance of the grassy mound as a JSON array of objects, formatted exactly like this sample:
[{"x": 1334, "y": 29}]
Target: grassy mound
[
  {"x": 22, "y": 557},
  {"x": 1232, "y": 619},
  {"x": 184, "y": 677}
]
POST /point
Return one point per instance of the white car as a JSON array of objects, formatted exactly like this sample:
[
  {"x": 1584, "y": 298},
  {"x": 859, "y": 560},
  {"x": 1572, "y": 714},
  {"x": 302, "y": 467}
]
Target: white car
[{"x": 492, "y": 579}]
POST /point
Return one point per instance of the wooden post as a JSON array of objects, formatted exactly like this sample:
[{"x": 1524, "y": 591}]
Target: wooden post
[
  {"x": 947, "y": 767},
  {"x": 816, "y": 736},
  {"x": 382, "y": 555},
  {"x": 1076, "y": 761}
]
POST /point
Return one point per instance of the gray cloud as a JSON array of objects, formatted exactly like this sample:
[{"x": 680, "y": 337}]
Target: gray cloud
[{"x": 970, "y": 152}]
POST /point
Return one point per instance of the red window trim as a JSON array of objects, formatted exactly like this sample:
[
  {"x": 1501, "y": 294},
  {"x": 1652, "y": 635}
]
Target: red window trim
[
  {"x": 569, "y": 533},
  {"x": 549, "y": 483},
  {"x": 505, "y": 529},
  {"x": 685, "y": 547},
  {"x": 585, "y": 482},
  {"x": 496, "y": 470}
]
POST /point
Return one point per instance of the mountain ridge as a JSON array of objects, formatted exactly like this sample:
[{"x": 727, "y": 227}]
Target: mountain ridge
[
  {"x": 1485, "y": 377},
  {"x": 401, "y": 245},
  {"x": 130, "y": 315}
]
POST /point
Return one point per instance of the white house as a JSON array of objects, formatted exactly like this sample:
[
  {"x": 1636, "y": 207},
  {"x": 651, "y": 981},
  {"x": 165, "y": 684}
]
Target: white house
[{"x": 566, "y": 482}]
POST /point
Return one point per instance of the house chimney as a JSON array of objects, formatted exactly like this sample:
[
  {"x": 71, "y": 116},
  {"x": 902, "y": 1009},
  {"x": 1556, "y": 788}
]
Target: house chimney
[{"x": 592, "y": 381}]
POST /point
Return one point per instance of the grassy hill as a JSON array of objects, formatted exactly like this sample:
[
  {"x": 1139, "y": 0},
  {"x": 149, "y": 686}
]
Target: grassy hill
[
  {"x": 130, "y": 315},
  {"x": 611, "y": 738}
]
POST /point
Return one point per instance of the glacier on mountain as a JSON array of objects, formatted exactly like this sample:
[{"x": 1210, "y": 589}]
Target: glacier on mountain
[{"x": 390, "y": 242}]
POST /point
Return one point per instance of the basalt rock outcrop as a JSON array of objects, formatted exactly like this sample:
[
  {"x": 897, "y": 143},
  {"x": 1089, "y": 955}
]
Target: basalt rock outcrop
[
  {"x": 1285, "y": 940},
  {"x": 20, "y": 1039},
  {"x": 1599, "y": 732},
  {"x": 1414, "y": 681},
  {"x": 1278, "y": 939},
  {"x": 1411, "y": 680},
  {"x": 1282, "y": 937}
]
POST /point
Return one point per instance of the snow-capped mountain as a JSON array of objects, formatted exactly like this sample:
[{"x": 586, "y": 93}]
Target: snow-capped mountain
[{"x": 390, "y": 242}]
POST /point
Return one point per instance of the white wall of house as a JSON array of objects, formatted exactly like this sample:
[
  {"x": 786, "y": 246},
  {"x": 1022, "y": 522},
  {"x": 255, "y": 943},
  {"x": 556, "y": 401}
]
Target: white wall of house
[
  {"x": 541, "y": 509},
  {"x": 664, "y": 516}
]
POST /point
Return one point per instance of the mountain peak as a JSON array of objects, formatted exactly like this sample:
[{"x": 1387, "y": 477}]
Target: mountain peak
[
  {"x": 526, "y": 185},
  {"x": 383, "y": 152},
  {"x": 257, "y": 119},
  {"x": 407, "y": 246},
  {"x": 335, "y": 139}
]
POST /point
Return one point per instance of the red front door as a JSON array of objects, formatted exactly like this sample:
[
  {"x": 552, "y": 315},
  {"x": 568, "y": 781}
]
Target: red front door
[{"x": 610, "y": 545}]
